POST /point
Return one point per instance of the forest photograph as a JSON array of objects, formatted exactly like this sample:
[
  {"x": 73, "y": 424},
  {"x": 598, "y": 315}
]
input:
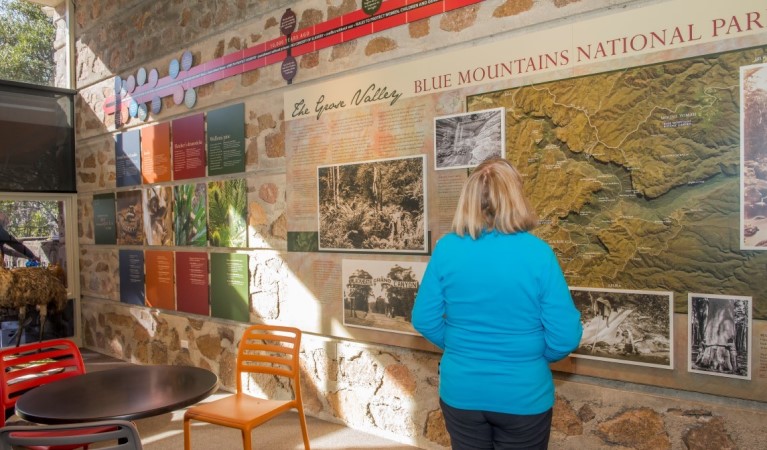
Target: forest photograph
[
  {"x": 629, "y": 327},
  {"x": 719, "y": 330},
  {"x": 374, "y": 206}
]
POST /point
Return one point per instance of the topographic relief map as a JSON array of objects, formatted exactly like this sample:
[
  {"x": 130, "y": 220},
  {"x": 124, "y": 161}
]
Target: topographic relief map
[{"x": 635, "y": 175}]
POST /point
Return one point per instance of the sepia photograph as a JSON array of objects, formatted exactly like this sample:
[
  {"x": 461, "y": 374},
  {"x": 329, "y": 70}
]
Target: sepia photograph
[
  {"x": 373, "y": 206},
  {"x": 719, "y": 333},
  {"x": 380, "y": 294},
  {"x": 465, "y": 140},
  {"x": 628, "y": 327}
]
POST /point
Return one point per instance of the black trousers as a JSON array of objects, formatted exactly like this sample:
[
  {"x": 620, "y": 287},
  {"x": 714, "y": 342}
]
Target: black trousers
[{"x": 486, "y": 430}]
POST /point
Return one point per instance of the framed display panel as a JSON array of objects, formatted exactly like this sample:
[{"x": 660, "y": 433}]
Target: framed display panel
[
  {"x": 466, "y": 139},
  {"x": 753, "y": 157},
  {"x": 373, "y": 206},
  {"x": 380, "y": 294},
  {"x": 719, "y": 333},
  {"x": 628, "y": 327}
]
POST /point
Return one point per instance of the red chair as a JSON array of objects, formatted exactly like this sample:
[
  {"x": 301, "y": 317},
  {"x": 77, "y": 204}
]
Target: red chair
[
  {"x": 31, "y": 365},
  {"x": 121, "y": 435}
]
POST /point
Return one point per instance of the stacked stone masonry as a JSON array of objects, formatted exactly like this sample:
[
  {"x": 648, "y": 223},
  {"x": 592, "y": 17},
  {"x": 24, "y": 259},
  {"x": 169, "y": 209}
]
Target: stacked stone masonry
[{"x": 385, "y": 390}]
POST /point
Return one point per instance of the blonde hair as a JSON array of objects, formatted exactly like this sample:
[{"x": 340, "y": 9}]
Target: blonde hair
[{"x": 493, "y": 199}]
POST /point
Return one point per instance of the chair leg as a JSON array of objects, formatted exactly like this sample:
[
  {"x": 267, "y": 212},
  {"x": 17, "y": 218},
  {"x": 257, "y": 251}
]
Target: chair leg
[
  {"x": 246, "y": 444},
  {"x": 304, "y": 430},
  {"x": 187, "y": 434}
]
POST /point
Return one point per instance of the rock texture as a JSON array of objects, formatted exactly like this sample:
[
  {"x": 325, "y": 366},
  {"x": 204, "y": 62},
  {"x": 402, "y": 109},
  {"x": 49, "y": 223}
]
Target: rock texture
[
  {"x": 388, "y": 390},
  {"x": 392, "y": 391}
]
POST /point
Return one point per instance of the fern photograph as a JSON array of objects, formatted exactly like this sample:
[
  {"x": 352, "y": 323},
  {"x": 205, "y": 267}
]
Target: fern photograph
[
  {"x": 227, "y": 213},
  {"x": 189, "y": 218},
  {"x": 375, "y": 206}
]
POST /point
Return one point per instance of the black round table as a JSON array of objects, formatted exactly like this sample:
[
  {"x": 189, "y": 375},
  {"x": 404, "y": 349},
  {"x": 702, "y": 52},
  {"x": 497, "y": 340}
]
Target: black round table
[{"x": 125, "y": 393}]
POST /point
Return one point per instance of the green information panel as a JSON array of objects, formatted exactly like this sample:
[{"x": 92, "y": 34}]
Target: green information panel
[
  {"x": 226, "y": 140},
  {"x": 229, "y": 286}
]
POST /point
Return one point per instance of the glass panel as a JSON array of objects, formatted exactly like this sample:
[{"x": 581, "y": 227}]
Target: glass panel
[
  {"x": 32, "y": 240},
  {"x": 37, "y": 145}
]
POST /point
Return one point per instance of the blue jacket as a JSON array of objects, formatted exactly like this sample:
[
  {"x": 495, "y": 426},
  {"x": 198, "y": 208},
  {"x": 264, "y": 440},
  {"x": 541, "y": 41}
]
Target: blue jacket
[{"x": 501, "y": 310}]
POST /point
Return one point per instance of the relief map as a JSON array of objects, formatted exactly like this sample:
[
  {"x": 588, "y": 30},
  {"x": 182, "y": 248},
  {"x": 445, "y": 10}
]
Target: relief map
[{"x": 635, "y": 175}]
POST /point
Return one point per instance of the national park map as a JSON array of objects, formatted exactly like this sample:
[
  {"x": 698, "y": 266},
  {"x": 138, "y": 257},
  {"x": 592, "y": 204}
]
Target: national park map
[{"x": 635, "y": 175}]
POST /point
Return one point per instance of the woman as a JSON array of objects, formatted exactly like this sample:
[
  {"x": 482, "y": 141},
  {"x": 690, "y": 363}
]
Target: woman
[{"x": 494, "y": 298}]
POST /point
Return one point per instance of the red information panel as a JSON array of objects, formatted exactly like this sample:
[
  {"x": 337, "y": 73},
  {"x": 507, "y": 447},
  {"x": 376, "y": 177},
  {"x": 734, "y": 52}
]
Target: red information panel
[
  {"x": 192, "y": 283},
  {"x": 189, "y": 147}
]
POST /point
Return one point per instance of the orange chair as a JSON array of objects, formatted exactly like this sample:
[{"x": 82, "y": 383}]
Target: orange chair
[
  {"x": 264, "y": 349},
  {"x": 31, "y": 365}
]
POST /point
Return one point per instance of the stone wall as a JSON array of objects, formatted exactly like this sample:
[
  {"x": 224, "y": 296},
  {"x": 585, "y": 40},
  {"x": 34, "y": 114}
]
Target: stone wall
[
  {"x": 392, "y": 392},
  {"x": 386, "y": 390}
]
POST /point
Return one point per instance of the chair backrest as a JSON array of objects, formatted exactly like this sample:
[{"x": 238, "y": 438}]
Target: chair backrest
[
  {"x": 30, "y": 365},
  {"x": 272, "y": 350},
  {"x": 108, "y": 434}
]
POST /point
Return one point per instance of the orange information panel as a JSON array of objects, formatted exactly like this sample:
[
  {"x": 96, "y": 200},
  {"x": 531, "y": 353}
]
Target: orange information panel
[
  {"x": 155, "y": 153},
  {"x": 160, "y": 271}
]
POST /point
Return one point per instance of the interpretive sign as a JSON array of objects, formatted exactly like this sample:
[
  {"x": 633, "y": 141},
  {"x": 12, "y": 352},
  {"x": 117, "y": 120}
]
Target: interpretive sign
[
  {"x": 132, "y": 277},
  {"x": 229, "y": 286},
  {"x": 128, "y": 158},
  {"x": 226, "y": 140}
]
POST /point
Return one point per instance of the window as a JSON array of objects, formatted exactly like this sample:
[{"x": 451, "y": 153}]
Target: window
[{"x": 34, "y": 231}]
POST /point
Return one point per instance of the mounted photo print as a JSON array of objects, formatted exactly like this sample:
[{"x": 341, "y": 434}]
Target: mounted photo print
[
  {"x": 380, "y": 294},
  {"x": 373, "y": 206},
  {"x": 628, "y": 327},
  {"x": 158, "y": 215},
  {"x": 753, "y": 157},
  {"x": 465, "y": 140},
  {"x": 719, "y": 332}
]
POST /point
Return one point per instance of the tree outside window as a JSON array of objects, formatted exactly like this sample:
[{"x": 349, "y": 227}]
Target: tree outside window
[{"x": 27, "y": 36}]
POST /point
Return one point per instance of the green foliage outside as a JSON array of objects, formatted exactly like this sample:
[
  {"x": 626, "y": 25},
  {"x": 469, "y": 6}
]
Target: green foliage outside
[
  {"x": 26, "y": 43},
  {"x": 31, "y": 218}
]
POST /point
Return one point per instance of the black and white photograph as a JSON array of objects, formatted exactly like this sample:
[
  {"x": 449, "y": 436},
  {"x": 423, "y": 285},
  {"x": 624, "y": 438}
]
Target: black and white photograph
[
  {"x": 380, "y": 294},
  {"x": 373, "y": 206},
  {"x": 628, "y": 327},
  {"x": 465, "y": 140},
  {"x": 753, "y": 157},
  {"x": 719, "y": 333}
]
